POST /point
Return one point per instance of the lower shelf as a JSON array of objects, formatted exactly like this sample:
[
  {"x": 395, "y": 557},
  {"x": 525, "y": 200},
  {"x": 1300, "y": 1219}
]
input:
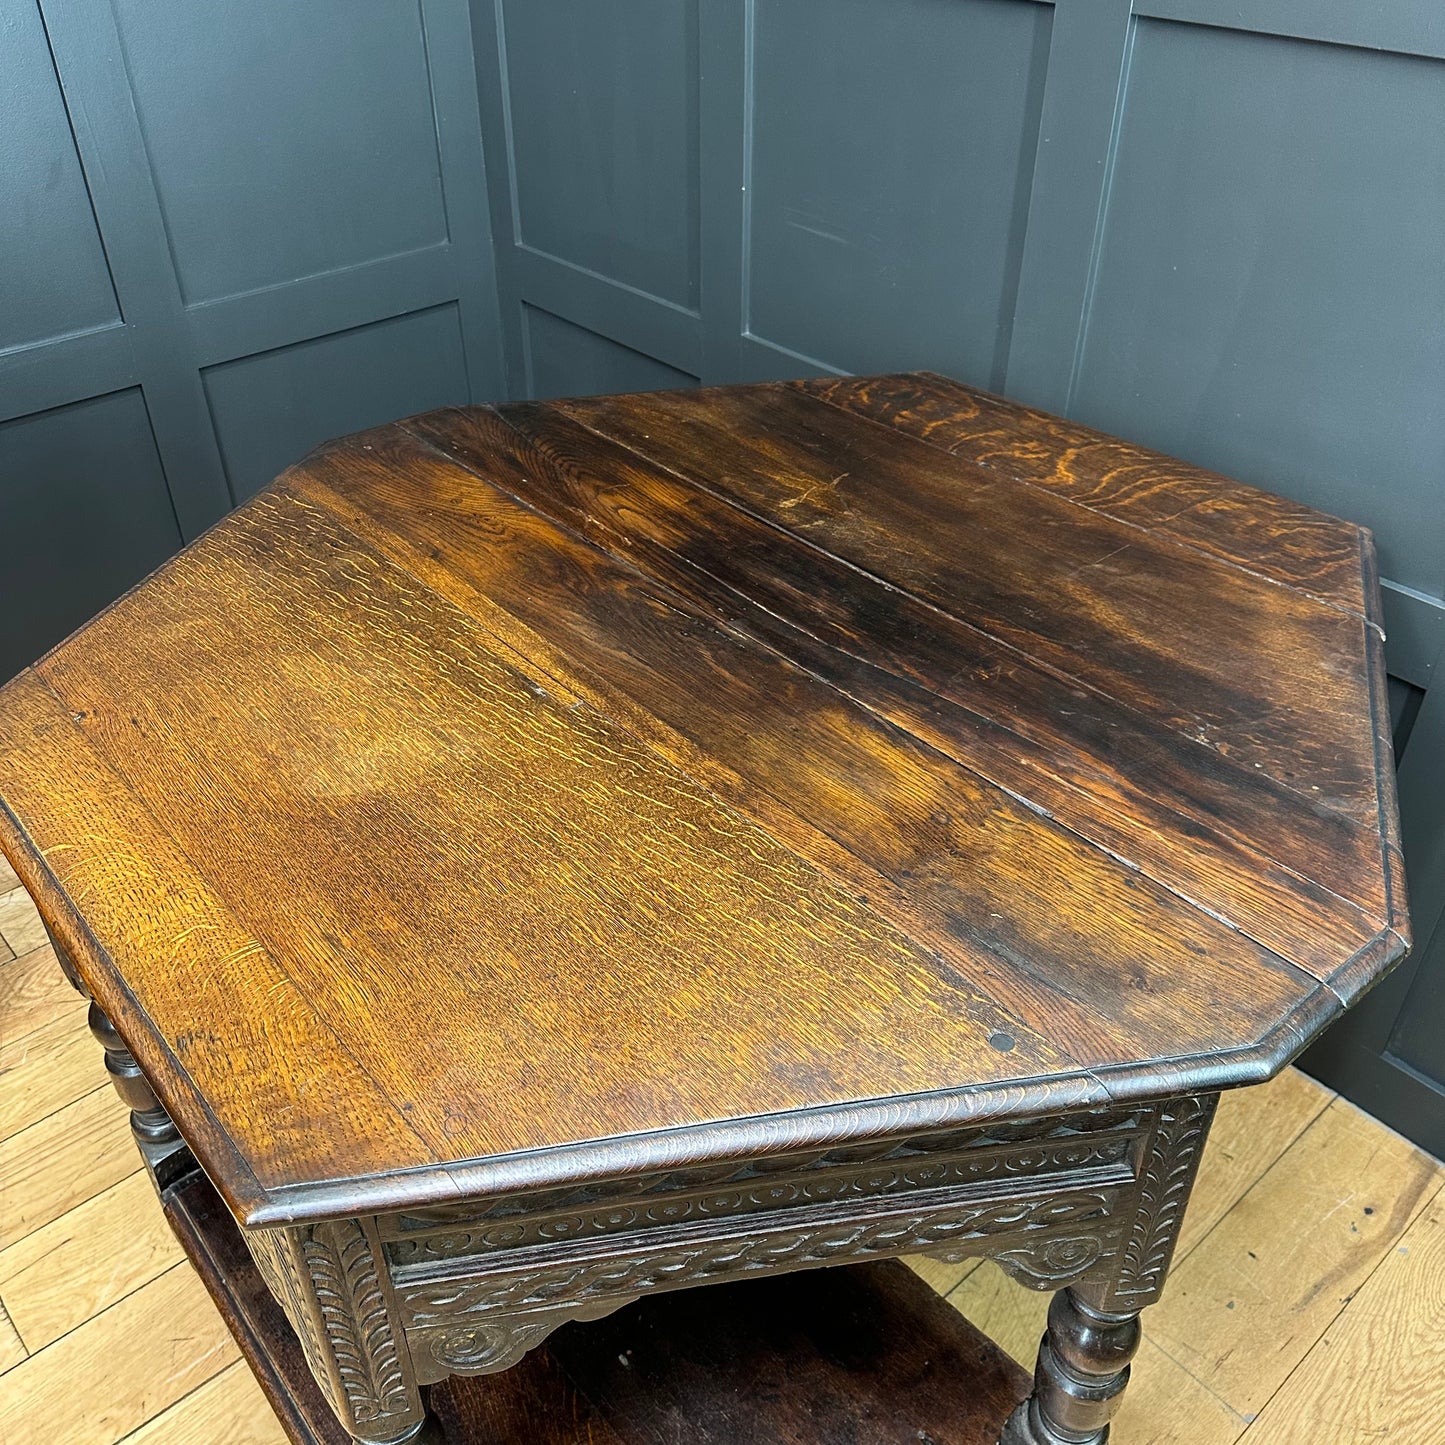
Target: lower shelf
[{"x": 865, "y": 1355}]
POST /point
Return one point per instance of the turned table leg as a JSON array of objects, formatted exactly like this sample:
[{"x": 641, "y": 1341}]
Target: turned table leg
[
  {"x": 1083, "y": 1368},
  {"x": 157, "y": 1137},
  {"x": 1093, "y": 1328},
  {"x": 428, "y": 1432}
]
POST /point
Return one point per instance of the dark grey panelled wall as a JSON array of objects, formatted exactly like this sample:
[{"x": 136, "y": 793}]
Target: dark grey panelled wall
[
  {"x": 230, "y": 230},
  {"x": 227, "y": 232}
]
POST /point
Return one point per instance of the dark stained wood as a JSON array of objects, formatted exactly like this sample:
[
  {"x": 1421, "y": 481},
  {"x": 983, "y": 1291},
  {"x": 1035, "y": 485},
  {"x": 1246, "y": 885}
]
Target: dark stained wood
[
  {"x": 862, "y": 1356},
  {"x": 1159, "y": 626},
  {"x": 733, "y": 714},
  {"x": 1186, "y": 815},
  {"x": 1083, "y": 1368},
  {"x": 496, "y": 821},
  {"x": 574, "y": 791},
  {"x": 1289, "y": 543}
]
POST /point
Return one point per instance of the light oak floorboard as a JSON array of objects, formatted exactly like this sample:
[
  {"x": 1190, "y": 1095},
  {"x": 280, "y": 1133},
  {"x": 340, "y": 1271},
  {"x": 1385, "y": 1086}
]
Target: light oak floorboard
[
  {"x": 50, "y": 1067},
  {"x": 12, "y": 1348},
  {"x": 20, "y": 924},
  {"x": 229, "y": 1409},
  {"x": 1379, "y": 1374},
  {"x": 33, "y": 993},
  {"x": 80, "y": 1264},
  {"x": 1010, "y": 1315},
  {"x": 1252, "y": 1128},
  {"x": 942, "y": 1276},
  {"x": 59, "y": 1163},
  {"x": 8, "y": 880},
  {"x": 1252, "y": 1299},
  {"x": 120, "y": 1369}
]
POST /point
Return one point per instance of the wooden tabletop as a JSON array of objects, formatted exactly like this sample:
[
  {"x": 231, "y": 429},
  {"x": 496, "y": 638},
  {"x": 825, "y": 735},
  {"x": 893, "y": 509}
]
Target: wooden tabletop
[{"x": 514, "y": 796}]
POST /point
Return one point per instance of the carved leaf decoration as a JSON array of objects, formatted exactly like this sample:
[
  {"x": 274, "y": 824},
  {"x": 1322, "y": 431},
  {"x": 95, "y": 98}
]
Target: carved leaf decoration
[
  {"x": 1168, "y": 1176},
  {"x": 353, "y": 1306}
]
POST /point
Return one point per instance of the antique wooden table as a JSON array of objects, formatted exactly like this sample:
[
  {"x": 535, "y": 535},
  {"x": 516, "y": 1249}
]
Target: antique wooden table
[{"x": 534, "y": 858}]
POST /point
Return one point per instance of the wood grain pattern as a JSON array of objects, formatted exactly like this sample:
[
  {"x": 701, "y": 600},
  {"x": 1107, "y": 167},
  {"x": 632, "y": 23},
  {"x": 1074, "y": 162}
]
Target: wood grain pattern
[
  {"x": 1108, "y": 605},
  {"x": 1164, "y": 1405},
  {"x": 33, "y": 995},
  {"x": 58, "y": 1163},
  {"x": 1394, "y": 1332},
  {"x": 57, "y": 1060},
  {"x": 1251, "y": 1129},
  {"x": 60, "y": 1275},
  {"x": 1244, "y": 1308},
  {"x": 229, "y": 1408},
  {"x": 517, "y": 815},
  {"x": 1289, "y": 543},
  {"x": 104, "y": 852},
  {"x": 20, "y": 930},
  {"x": 566, "y": 791},
  {"x": 947, "y": 684},
  {"x": 12, "y": 1347},
  {"x": 932, "y": 846},
  {"x": 153, "y": 1348}
]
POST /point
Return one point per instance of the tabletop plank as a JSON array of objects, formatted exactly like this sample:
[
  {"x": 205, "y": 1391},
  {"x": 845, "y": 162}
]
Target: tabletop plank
[
  {"x": 1116, "y": 607},
  {"x": 171, "y": 964},
  {"x": 411, "y": 828},
  {"x": 1294, "y": 874},
  {"x": 1074, "y": 943},
  {"x": 1285, "y": 541}
]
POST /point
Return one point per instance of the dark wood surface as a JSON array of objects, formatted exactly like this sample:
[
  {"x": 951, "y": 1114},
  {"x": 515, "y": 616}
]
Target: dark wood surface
[
  {"x": 867, "y": 1355},
  {"x": 512, "y": 797}
]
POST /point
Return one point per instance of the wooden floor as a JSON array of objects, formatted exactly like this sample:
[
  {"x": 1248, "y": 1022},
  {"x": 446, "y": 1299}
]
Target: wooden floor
[{"x": 1307, "y": 1303}]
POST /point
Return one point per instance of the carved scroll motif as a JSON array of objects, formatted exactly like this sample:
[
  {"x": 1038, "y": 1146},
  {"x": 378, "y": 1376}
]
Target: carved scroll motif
[{"x": 1054, "y": 1261}]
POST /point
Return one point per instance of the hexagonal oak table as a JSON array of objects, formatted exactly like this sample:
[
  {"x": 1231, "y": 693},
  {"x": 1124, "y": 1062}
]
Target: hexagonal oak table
[{"x": 546, "y": 855}]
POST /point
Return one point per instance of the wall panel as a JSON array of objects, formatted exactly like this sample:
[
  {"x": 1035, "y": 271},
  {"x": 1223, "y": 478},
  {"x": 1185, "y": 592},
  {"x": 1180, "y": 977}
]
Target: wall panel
[
  {"x": 86, "y": 514},
  {"x": 602, "y": 119},
  {"x": 295, "y": 140},
  {"x": 259, "y": 225},
  {"x": 889, "y": 178},
  {"x": 272, "y": 408},
  {"x": 568, "y": 360},
  {"x": 53, "y": 276},
  {"x": 1273, "y": 240}
]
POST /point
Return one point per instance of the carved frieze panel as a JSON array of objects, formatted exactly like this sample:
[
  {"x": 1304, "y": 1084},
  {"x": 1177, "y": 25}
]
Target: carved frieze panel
[
  {"x": 1095, "y": 1144},
  {"x": 551, "y": 1278}
]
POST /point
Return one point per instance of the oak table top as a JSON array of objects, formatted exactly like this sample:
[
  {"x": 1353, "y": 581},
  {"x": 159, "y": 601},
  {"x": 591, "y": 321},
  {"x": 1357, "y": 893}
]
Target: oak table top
[{"x": 512, "y": 798}]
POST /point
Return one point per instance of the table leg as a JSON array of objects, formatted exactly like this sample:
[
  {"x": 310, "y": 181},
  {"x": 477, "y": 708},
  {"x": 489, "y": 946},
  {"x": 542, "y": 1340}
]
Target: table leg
[
  {"x": 1093, "y": 1328},
  {"x": 157, "y": 1137},
  {"x": 1082, "y": 1370},
  {"x": 332, "y": 1281}
]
